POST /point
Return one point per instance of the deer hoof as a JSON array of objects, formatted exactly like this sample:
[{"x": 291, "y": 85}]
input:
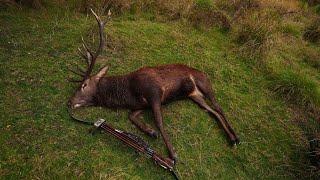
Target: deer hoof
[
  {"x": 235, "y": 142},
  {"x": 174, "y": 158},
  {"x": 238, "y": 141},
  {"x": 154, "y": 134}
]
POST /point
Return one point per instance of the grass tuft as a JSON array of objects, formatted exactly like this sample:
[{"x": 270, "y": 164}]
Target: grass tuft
[
  {"x": 312, "y": 57},
  {"x": 255, "y": 32},
  {"x": 312, "y": 32},
  {"x": 297, "y": 88},
  {"x": 204, "y": 14}
]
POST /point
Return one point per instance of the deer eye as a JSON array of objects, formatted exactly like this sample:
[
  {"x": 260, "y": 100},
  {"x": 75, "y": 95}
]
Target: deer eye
[{"x": 84, "y": 85}]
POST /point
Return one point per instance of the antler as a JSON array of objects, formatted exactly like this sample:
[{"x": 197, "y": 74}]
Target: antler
[{"x": 90, "y": 57}]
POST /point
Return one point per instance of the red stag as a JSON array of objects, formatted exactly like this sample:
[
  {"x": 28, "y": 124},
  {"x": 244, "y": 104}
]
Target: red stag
[{"x": 148, "y": 87}]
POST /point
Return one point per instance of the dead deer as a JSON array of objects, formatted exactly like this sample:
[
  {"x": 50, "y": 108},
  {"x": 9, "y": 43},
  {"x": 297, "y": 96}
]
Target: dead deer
[{"x": 148, "y": 87}]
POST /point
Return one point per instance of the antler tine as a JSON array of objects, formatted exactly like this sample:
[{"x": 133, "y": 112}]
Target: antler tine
[
  {"x": 86, "y": 47},
  {"x": 87, "y": 54},
  {"x": 101, "y": 44},
  {"x": 87, "y": 57},
  {"x": 80, "y": 69},
  {"x": 74, "y": 80},
  {"x": 101, "y": 33},
  {"x": 75, "y": 72},
  {"x": 82, "y": 55}
]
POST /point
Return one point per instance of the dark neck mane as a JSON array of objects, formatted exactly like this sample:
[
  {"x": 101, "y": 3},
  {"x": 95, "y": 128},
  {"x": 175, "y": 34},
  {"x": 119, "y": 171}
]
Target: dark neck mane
[{"x": 113, "y": 92}]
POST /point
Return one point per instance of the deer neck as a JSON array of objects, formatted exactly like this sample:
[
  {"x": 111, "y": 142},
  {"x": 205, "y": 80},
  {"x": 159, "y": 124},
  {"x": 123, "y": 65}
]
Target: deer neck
[{"x": 113, "y": 92}]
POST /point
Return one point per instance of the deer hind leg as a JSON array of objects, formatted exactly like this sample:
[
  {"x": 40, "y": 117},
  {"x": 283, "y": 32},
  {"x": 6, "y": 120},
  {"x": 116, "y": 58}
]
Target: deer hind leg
[
  {"x": 219, "y": 110},
  {"x": 201, "y": 102},
  {"x": 198, "y": 97},
  {"x": 135, "y": 116}
]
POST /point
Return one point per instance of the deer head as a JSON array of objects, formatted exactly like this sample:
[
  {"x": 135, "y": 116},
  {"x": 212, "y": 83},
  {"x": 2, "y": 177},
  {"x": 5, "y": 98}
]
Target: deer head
[{"x": 85, "y": 93}]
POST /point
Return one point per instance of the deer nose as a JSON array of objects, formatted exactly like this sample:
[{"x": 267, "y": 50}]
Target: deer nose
[{"x": 73, "y": 105}]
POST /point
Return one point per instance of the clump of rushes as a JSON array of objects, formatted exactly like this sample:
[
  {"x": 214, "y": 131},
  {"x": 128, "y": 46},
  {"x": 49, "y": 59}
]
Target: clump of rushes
[
  {"x": 205, "y": 14},
  {"x": 255, "y": 31}
]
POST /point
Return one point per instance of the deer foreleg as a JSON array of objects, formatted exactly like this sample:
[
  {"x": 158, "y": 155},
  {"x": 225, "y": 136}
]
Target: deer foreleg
[
  {"x": 156, "y": 108},
  {"x": 134, "y": 117}
]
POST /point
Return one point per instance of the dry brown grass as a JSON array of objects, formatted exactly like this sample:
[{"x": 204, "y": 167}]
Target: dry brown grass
[
  {"x": 116, "y": 6},
  {"x": 282, "y": 6},
  {"x": 312, "y": 32},
  {"x": 209, "y": 17},
  {"x": 313, "y": 2},
  {"x": 312, "y": 57},
  {"x": 4, "y": 3},
  {"x": 256, "y": 24},
  {"x": 36, "y": 4},
  {"x": 174, "y": 9},
  {"x": 255, "y": 31},
  {"x": 237, "y": 7},
  {"x": 197, "y": 12}
]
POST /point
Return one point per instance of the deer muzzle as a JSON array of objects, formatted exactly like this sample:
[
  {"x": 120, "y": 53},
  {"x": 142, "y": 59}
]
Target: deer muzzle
[{"x": 75, "y": 104}]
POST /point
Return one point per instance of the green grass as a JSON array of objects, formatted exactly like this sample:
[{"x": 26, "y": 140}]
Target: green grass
[{"x": 38, "y": 139}]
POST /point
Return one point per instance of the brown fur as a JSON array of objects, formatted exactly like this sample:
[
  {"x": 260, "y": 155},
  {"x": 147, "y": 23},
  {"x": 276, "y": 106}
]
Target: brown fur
[{"x": 150, "y": 87}]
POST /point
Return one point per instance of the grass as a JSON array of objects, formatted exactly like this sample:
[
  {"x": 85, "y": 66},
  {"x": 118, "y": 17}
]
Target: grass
[
  {"x": 38, "y": 139},
  {"x": 270, "y": 36}
]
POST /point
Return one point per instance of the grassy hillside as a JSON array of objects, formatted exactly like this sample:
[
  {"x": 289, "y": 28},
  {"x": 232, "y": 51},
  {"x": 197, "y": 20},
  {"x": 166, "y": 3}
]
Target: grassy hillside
[{"x": 266, "y": 79}]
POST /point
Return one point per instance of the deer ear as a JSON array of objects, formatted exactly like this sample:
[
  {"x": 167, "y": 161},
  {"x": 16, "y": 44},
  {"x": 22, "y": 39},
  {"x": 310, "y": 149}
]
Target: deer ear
[{"x": 102, "y": 72}]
